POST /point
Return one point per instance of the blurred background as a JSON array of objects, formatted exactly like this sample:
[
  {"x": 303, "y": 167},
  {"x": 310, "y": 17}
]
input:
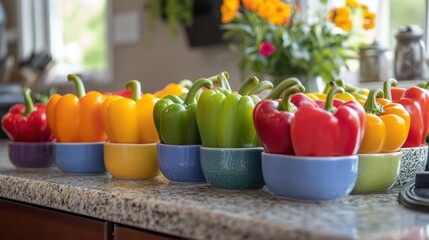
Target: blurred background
[{"x": 110, "y": 42}]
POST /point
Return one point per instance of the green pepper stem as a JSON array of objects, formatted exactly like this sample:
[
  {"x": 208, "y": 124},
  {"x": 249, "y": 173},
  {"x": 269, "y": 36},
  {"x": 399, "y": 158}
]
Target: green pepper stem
[
  {"x": 248, "y": 86},
  {"x": 174, "y": 98},
  {"x": 80, "y": 88},
  {"x": 223, "y": 80},
  {"x": 286, "y": 105},
  {"x": 426, "y": 86},
  {"x": 262, "y": 86},
  {"x": 387, "y": 85},
  {"x": 223, "y": 91},
  {"x": 135, "y": 87},
  {"x": 350, "y": 88},
  {"x": 340, "y": 83},
  {"x": 279, "y": 89},
  {"x": 195, "y": 89},
  {"x": 186, "y": 83},
  {"x": 371, "y": 105},
  {"x": 328, "y": 87},
  {"x": 330, "y": 98},
  {"x": 29, "y": 105}
]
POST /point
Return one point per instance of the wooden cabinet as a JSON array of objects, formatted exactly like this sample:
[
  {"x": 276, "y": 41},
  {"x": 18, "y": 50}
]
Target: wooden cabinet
[
  {"x": 125, "y": 233},
  {"x": 22, "y": 221}
]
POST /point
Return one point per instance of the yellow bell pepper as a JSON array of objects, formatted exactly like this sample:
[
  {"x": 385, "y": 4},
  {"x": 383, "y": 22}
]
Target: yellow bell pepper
[
  {"x": 386, "y": 124},
  {"x": 174, "y": 89},
  {"x": 130, "y": 120},
  {"x": 322, "y": 96},
  {"x": 76, "y": 118}
]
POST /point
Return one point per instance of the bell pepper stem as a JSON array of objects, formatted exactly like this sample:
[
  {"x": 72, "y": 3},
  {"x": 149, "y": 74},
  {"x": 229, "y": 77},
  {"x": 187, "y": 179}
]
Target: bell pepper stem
[
  {"x": 328, "y": 87},
  {"x": 262, "y": 86},
  {"x": 279, "y": 89},
  {"x": 340, "y": 83},
  {"x": 223, "y": 91},
  {"x": 29, "y": 105},
  {"x": 286, "y": 105},
  {"x": 195, "y": 89},
  {"x": 330, "y": 98},
  {"x": 371, "y": 105},
  {"x": 174, "y": 98},
  {"x": 426, "y": 86},
  {"x": 248, "y": 86},
  {"x": 223, "y": 80},
  {"x": 135, "y": 87},
  {"x": 387, "y": 85},
  {"x": 186, "y": 83},
  {"x": 80, "y": 88}
]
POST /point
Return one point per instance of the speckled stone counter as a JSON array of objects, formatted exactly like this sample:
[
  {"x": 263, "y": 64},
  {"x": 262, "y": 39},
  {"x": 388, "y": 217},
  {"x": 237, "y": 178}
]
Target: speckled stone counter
[{"x": 200, "y": 212}]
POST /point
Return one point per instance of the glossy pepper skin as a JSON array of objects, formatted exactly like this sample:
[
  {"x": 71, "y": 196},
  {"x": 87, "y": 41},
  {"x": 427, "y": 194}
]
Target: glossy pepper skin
[
  {"x": 272, "y": 120},
  {"x": 345, "y": 96},
  {"x": 130, "y": 120},
  {"x": 225, "y": 119},
  {"x": 27, "y": 123},
  {"x": 338, "y": 131},
  {"x": 386, "y": 125},
  {"x": 416, "y": 101},
  {"x": 76, "y": 118},
  {"x": 176, "y": 121}
]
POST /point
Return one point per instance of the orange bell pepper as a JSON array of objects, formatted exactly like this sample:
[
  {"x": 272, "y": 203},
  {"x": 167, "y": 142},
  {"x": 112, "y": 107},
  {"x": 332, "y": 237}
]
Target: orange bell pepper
[
  {"x": 174, "y": 89},
  {"x": 386, "y": 124},
  {"x": 76, "y": 118},
  {"x": 130, "y": 120}
]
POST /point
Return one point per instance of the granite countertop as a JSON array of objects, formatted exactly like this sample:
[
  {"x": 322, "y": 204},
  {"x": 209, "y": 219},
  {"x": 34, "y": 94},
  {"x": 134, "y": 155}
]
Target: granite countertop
[{"x": 201, "y": 212}]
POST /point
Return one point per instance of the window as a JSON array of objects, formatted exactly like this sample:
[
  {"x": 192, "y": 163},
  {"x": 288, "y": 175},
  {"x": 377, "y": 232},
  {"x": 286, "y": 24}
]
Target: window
[{"x": 73, "y": 32}]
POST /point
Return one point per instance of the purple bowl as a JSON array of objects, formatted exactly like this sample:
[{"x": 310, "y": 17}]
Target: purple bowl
[{"x": 31, "y": 154}]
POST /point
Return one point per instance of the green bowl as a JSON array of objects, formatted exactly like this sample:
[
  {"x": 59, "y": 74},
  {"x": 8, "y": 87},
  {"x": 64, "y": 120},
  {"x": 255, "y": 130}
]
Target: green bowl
[
  {"x": 377, "y": 172},
  {"x": 232, "y": 168}
]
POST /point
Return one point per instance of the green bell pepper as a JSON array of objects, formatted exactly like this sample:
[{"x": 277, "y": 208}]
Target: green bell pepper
[
  {"x": 225, "y": 120},
  {"x": 175, "y": 120}
]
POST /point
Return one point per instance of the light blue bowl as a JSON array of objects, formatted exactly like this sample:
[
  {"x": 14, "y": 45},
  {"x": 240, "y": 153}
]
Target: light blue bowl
[
  {"x": 232, "y": 168},
  {"x": 80, "y": 158},
  {"x": 309, "y": 178},
  {"x": 180, "y": 163}
]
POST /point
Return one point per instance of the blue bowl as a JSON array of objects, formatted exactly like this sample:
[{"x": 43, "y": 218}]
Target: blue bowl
[
  {"x": 180, "y": 163},
  {"x": 232, "y": 168},
  {"x": 80, "y": 158},
  {"x": 310, "y": 178}
]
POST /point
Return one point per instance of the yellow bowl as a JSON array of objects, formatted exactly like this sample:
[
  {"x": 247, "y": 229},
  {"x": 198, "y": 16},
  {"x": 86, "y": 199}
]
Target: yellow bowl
[{"x": 131, "y": 161}]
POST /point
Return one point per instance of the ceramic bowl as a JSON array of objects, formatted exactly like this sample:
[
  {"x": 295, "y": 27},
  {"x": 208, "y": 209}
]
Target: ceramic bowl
[
  {"x": 31, "y": 154},
  {"x": 180, "y": 163},
  {"x": 309, "y": 178},
  {"x": 131, "y": 161},
  {"x": 377, "y": 172},
  {"x": 413, "y": 161},
  {"x": 80, "y": 158},
  {"x": 232, "y": 168}
]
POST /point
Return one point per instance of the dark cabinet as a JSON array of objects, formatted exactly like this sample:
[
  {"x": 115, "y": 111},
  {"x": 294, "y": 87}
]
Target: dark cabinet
[
  {"x": 21, "y": 221},
  {"x": 125, "y": 233}
]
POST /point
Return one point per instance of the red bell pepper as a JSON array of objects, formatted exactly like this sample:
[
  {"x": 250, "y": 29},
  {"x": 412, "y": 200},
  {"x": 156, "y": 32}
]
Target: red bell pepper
[
  {"x": 330, "y": 131},
  {"x": 416, "y": 101},
  {"x": 27, "y": 123},
  {"x": 272, "y": 120}
]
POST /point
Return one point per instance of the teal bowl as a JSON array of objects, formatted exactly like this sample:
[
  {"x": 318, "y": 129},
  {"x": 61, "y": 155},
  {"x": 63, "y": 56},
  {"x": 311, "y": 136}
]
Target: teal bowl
[
  {"x": 377, "y": 172},
  {"x": 232, "y": 168}
]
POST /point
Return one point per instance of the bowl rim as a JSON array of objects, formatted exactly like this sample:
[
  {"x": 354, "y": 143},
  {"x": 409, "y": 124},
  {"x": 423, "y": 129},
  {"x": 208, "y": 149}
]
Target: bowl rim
[
  {"x": 312, "y": 158},
  {"x": 179, "y": 146},
  {"x": 30, "y": 143},
  {"x": 77, "y": 143},
  {"x": 231, "y": 149},
  {"x": 380, "y": 154},
  {"x": 130, "y": 144},
  {"x": 411, "y": 148}
]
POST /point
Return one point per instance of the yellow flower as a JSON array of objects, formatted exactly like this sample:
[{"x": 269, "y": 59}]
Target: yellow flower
[
  {"x": 275, "y": 11},
  {"x": 341, "y": 18},
  {"x": 229, "y": 10},
  {"x": 369, "y": 20},
  {"x": 352, "y": 3},
  {"x": 252, "y": 5}
]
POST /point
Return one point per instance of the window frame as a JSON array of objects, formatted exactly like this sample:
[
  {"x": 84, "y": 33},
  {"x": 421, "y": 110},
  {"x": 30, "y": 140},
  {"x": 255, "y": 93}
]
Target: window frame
[{"x": 38, "y": 31}]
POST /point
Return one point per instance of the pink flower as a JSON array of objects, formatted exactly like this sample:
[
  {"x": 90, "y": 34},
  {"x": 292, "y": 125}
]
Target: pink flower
[{"x": 266, "y": 49}]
